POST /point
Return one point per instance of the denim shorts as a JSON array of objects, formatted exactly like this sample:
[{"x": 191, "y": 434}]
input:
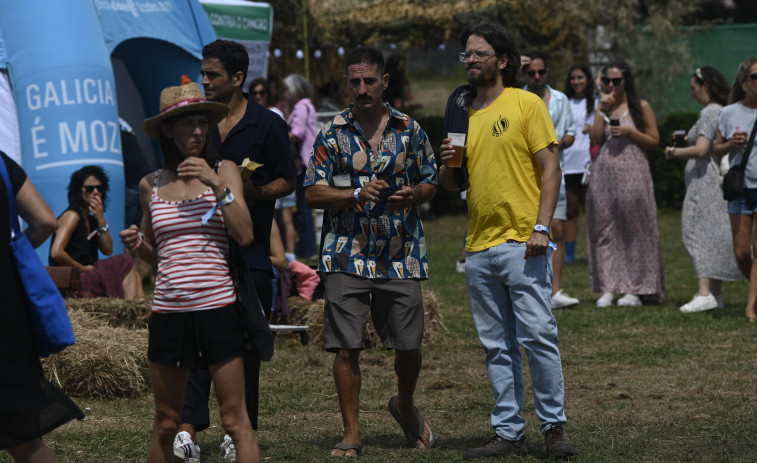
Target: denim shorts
[
  {"x": 744, "y": 205},
  {"x": 561, "y": 208},
  {"x": 287, "y": 201}
]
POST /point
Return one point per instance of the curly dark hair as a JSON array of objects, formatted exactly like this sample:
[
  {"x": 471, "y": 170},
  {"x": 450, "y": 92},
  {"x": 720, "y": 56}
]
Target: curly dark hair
[
  {"x": 75, "y": 199},
  {"x": 503, "y": 43}
]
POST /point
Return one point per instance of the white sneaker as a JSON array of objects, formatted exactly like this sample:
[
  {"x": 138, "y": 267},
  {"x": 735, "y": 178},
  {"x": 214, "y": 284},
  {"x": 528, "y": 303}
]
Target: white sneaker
[
  {"x": 460, "y": 266},
  {"x": 720, "y": 301},
  {"x": 605, "y": 300},
  {"x": 561, "y": 299},
  {"x": 629, "y": 300},
  {"x": 184, "y": 449},
  {"x": 228, "y": 450},
  {"x": 700, "y": 304}
]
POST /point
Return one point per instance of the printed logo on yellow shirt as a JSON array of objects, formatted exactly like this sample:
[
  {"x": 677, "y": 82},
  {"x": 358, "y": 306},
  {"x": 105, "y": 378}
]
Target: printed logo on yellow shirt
[{"x": 500, "y": 126}]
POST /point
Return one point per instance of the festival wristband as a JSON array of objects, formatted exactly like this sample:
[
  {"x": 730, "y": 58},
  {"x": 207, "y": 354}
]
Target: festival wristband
[{"x": 225, "y": 199}]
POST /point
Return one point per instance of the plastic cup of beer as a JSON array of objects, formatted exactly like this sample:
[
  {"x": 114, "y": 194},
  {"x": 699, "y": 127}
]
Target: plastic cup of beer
[{"x": 458, "y": 143}]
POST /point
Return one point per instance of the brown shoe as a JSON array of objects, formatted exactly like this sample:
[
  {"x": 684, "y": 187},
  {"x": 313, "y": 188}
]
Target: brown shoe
[
  {"x": 497, "y": 447},
  {"x": 558, "y": 444}
]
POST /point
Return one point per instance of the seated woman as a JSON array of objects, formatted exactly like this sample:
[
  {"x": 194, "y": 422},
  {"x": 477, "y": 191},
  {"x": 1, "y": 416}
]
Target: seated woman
[{"x": 82, "y": 232}]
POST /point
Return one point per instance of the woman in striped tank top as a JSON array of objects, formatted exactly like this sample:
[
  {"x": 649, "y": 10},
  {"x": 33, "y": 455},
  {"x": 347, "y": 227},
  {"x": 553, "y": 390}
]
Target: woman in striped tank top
[{"x": 188, "y": 207}]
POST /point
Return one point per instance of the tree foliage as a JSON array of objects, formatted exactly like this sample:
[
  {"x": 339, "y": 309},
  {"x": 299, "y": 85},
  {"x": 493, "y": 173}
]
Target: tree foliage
[{"x": 641, "y": 32}]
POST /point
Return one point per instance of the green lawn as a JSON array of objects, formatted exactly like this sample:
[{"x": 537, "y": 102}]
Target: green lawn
[{"x": 645, "y": 384}]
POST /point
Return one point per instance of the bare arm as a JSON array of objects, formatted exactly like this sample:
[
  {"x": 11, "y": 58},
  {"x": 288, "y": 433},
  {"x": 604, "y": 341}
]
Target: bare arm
[
  {"x": 447, "y": 174},
  {"x": 597, "y": 131},
  {"x": 549, "y": 162},
  {"x": 143, "y": 244},
  {"x": 278, "y": 256},
  {"x": 36, "y": 213},
  {"x": 276, "y": 188},
  {"x": 699, "y": 150},
  {"x": 66, "y": 227},
  {"x": 336, "y": 199},
  {"x": 566, "y": 142},
  {"x": 647, "y": 139}
]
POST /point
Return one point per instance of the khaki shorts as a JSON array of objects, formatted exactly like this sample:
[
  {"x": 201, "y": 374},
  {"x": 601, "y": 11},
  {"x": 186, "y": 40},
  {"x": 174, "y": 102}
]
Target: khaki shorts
[{"x": 395, "y": 307}]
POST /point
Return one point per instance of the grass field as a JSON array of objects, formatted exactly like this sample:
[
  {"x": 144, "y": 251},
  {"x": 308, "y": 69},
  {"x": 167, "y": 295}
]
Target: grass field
[{"x": 646, "y": 384}]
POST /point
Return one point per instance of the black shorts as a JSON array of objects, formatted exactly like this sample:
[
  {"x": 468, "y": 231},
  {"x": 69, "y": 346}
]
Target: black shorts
[
  {"x": 573, "y": 181},
  {"x": 195, "y": 339}
]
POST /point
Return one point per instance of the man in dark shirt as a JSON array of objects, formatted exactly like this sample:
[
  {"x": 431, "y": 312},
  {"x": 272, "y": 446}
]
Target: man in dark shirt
[{"x": 249, "y": 131}]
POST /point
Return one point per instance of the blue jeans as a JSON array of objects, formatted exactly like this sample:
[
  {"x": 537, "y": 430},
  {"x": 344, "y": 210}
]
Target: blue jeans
[{"x": 510, "y": 299}]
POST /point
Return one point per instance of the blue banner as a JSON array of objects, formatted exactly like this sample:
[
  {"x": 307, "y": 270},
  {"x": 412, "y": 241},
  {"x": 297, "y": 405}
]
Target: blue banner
[{"x": 65, "y": 96}]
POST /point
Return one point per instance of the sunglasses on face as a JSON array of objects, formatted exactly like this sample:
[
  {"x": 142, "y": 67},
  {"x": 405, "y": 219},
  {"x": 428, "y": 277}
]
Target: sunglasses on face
[
  {"x": 752, "y": 76},
  {"x": 615, "y": 81},
  {"x": 260, "y": 92},
  {"x": 91, "y": 188},
  {"x": 541, "y": 72}
]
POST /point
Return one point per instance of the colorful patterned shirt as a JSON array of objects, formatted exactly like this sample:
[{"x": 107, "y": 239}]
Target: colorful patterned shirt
[{"x": 391, "y": 245}]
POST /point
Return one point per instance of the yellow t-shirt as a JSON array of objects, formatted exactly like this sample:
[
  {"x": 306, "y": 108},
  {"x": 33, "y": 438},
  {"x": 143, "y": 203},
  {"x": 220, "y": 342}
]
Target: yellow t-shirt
[{"x": 504, "y": 176}]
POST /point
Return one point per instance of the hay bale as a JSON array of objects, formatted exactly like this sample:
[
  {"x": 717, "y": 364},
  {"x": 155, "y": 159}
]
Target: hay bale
[
  {"x": 310, "y": 313},
  {"x": 105, "y": 362},
  {"x": 117, "y": 313}
]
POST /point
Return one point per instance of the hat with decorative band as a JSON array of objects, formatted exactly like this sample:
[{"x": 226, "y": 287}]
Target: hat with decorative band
[{"x": 175, "y": 101}]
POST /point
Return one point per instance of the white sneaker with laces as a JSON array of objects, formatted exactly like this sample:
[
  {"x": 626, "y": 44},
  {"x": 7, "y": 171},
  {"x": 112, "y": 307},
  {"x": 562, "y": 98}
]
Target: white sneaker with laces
[
  {"x": 561, "y": 299},
  {"x": 720, "y": 301},
  {"x": 184, "y": 449},
  {"x": 228, "y": 450},
  {"x": 460, "y": 266},
  {"x": 700, "y": 304},
  {"x": 605, "y": 300},
  {"x": 629, "y": 300}
]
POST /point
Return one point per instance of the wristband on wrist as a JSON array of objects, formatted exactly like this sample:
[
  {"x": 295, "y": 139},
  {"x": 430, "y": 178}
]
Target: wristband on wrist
[
  {"x": 541, "y": 229},
  {"x": 225, "y": 199},
  {"x": 355, "y": 194}
]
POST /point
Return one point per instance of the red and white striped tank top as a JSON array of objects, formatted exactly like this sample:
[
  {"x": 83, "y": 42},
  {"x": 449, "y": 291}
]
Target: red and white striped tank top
[{"x": 192, "y": 270}]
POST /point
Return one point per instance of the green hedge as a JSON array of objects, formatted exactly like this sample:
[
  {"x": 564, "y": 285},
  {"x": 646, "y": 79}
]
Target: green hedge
[{"x": 667, "y": 175}]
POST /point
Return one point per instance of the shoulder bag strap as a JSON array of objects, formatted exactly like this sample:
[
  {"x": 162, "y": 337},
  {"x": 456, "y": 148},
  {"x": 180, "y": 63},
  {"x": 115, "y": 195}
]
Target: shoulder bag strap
[
  {"x": 748, "y": 151},
  {"x": 12, "y": 213}
]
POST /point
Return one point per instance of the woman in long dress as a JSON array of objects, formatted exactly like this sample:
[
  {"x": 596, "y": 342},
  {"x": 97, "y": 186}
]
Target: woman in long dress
[
  {"x": 623, "y": 242},
  {"x": 704, "y": 219}
]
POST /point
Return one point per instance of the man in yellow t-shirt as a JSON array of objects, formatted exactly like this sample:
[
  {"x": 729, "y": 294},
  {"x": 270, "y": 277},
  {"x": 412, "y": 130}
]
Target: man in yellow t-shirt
[{"x": 514, "y": 175}]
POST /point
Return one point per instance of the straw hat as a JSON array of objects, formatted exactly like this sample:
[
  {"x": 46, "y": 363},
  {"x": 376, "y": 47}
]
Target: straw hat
[{"x": 175, "y": 101}]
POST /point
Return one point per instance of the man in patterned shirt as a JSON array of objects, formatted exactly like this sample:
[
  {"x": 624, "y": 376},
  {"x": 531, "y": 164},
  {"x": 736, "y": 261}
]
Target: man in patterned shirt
[{"x": 371, "y": 166}]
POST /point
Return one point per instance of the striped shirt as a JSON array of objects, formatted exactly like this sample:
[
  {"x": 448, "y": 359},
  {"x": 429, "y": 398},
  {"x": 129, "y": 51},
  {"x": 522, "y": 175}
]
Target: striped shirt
[{"x": 193, "y": 273}]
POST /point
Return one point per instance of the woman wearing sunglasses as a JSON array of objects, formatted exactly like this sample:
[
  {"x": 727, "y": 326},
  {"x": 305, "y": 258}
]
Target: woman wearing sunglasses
[
  {"x": 704, "y": 218},
  {"x": 623, "y": 243},
  {"x": 735, "y": 125},
  {"x": 82, "y": 232}
]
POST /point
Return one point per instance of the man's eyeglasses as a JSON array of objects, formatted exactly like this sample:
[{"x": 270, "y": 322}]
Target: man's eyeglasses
[
  {"x": 260, "y": 92},
  {"x": 91, "y": 188},
  {"x": 478, "y": 54},
  {"x": 615, "y": 81},
  {"x": 541, "y": 72}
]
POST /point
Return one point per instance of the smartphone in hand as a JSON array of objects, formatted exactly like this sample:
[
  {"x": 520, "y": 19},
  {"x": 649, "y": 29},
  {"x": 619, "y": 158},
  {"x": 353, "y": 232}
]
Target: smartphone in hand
[{"x": 380, "y": 206}]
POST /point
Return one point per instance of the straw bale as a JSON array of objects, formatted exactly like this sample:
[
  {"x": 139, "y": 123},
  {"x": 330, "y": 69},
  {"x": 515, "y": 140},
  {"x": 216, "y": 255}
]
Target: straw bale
[
  {"x": 117, "y": 313},
  {"x": 106, "y": 362},
  {"x": 310, "y": 313}
]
